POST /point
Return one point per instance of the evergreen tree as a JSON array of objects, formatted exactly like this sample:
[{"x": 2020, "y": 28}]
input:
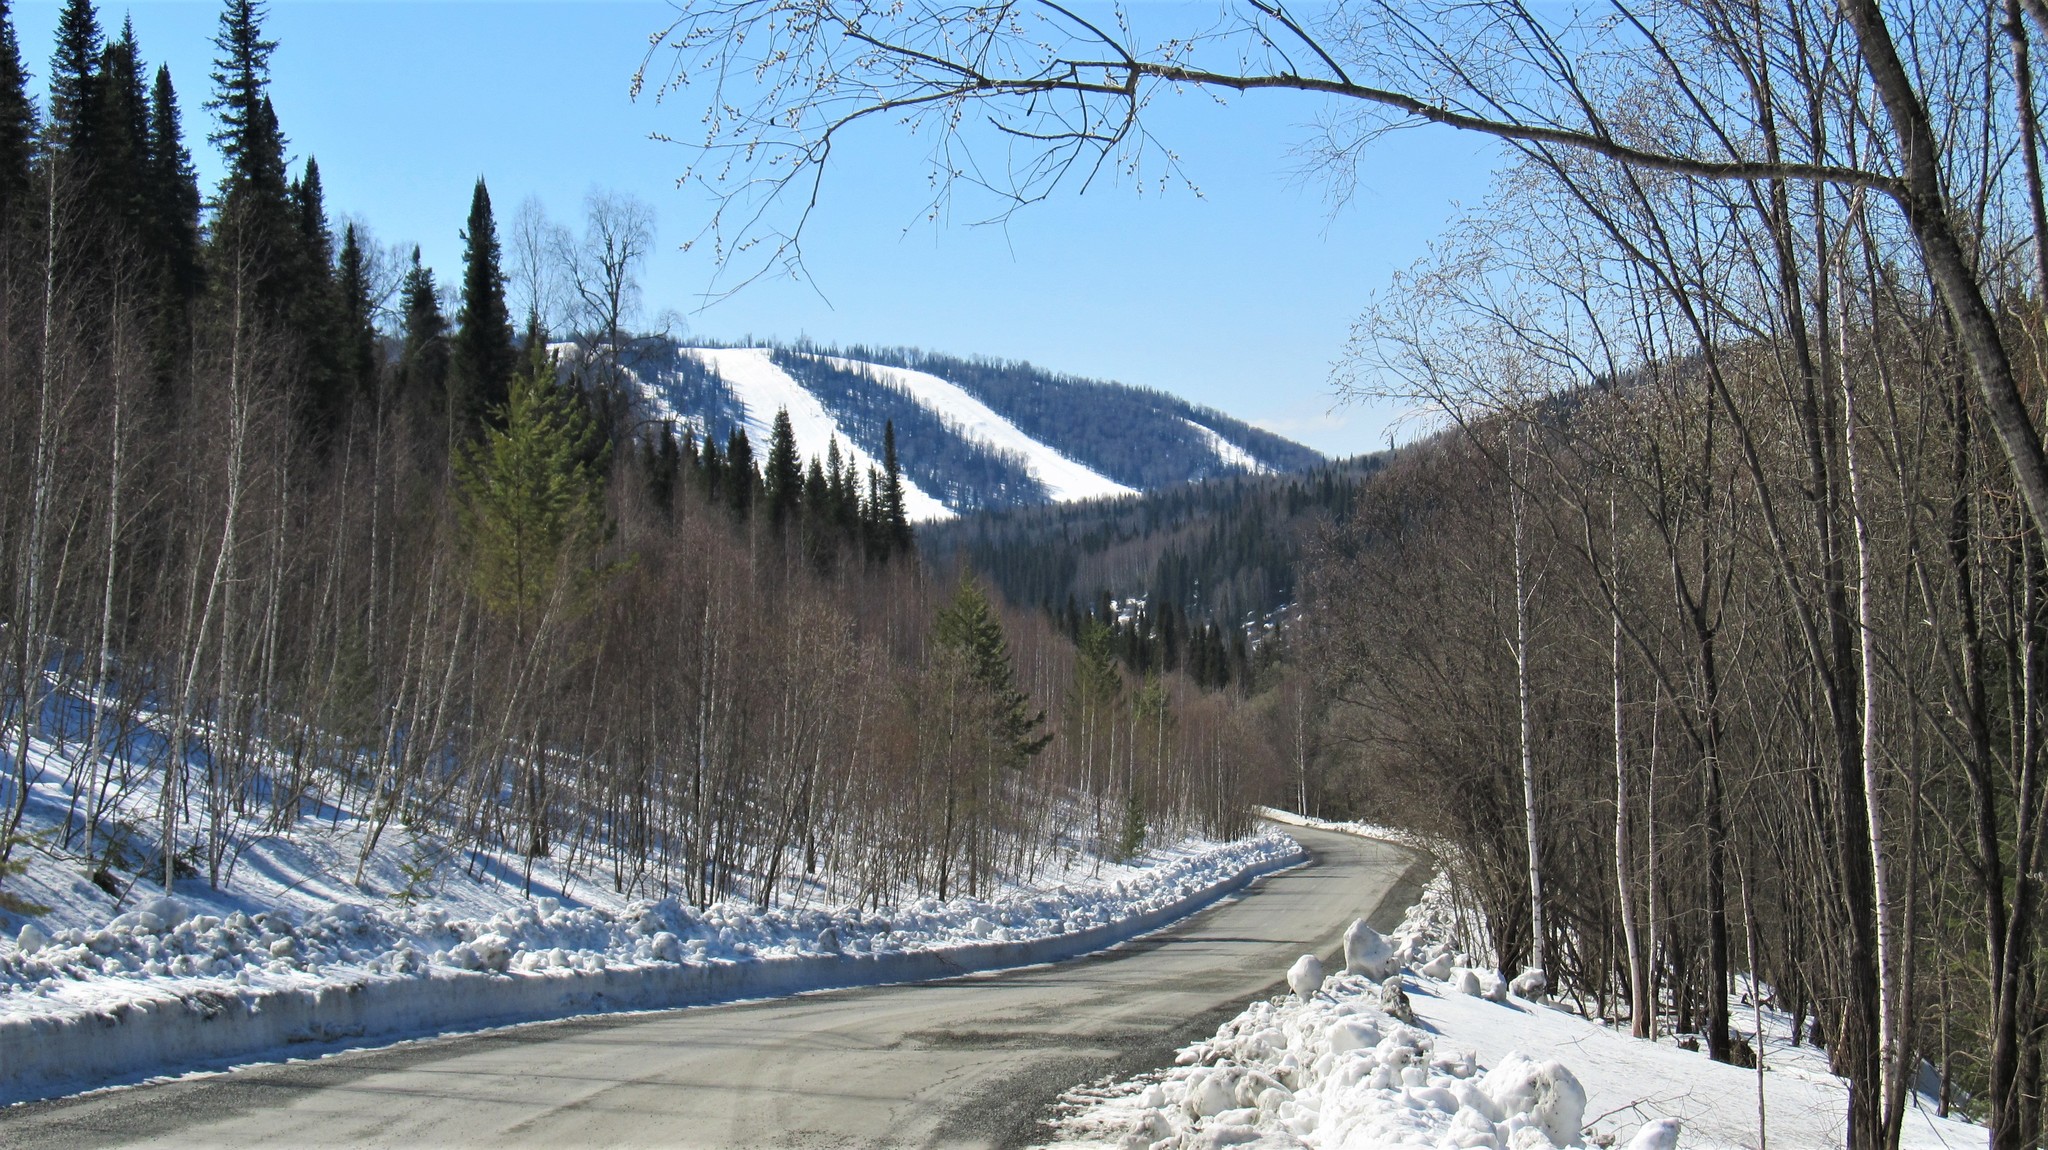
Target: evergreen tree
[
  {"x": 712, "y": 472},
  {"x": 255, "y": 243},
  {"x": 241, "y": 83},
  {"x": 895, "y": 523},
  {"x": 532, "y": 511},
  {"x": 740, "y": 474},
  {"x": 17, "y": 125},
  {"x": 171, "y": 189},
  {"x": 483, "y": 358},
  {"x": 423, "y": 356},
  {"x": 969, "y": 626},
  {"x": 318, "y": 313},
  {"x": 74, "y": 80},
  {"x": 120, "y": 141},
  {"x": 358, "y": 328},
  {"x": 784, "y": 476}
]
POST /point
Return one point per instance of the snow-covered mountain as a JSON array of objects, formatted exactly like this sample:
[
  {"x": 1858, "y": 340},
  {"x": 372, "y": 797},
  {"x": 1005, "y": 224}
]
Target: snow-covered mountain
[{"x": 970, "y": 434}]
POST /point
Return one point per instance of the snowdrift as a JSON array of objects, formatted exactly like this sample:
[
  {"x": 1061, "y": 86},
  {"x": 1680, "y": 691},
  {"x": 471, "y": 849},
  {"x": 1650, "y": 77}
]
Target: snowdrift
[{"x": 160, "y": 991}]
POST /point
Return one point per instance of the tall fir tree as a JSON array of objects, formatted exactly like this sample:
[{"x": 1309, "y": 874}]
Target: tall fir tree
[
  {"x": 784, "y": 478},
  {"x": 171, "y": 190},
  {"x": 895, "y": 521},
  {"x": 254, "y": 244},
  {"x": 120, "y": 135},
  {"x": 74, "y": 80},
  {"x": 17, "y": 126},
  {"x": 422, "y": 387},
  {"x": 480, "y": 369},
  {"x": 358, "y": 351},
  {"x": 316, "y": 309},
  {"x": 740, "y": 475}
]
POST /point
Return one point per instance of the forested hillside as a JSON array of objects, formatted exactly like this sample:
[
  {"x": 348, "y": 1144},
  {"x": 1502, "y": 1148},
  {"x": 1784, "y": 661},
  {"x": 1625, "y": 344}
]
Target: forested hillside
[
  {"x": 284, "y": 536},
  {"x": 1226, "y": 550},
  {"x": 971, "y": 434}
]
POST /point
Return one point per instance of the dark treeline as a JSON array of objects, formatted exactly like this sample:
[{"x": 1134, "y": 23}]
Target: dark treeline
[
  {"x": 1222, "y": 551},
  {"x": 284, "y": 536}
]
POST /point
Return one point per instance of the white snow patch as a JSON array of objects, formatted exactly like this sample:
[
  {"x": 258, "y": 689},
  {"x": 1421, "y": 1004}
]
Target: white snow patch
[
  {"x": 1064, "y": 479},
  {"x": 1233, "y": 456},
  {"x": 763, "y": 389}
]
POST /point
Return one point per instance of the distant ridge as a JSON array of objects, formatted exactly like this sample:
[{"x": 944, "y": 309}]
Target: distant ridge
[{"x": 971, "y": 434}]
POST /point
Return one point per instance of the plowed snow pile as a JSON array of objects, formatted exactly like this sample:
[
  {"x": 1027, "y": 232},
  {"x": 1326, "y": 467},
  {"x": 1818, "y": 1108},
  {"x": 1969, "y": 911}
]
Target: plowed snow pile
[{"x": 1458, "y": 1060}]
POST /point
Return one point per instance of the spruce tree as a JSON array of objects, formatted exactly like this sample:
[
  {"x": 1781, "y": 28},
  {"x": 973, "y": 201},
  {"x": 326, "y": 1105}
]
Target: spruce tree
[
  {"x": 171, "y": 190},
  {"x": 422, "y": 374},
  {"x": 255, "y": 243},
  {"x": 358, "y": 352},
  {"x": 74, "y": 80},
  {"x": 17, "y": 126},
  {"x": 740, "y": 474},
  {"x": 317, "y": 311},
  {"x": 969, "y": 626},
  {"x": 120, "y": 135},
  {"x": 483, "y": 359},
  {"x": 784, "y": 476},
  {"x": 895, "y": 523},
  {"x": 532, "y": 511}
]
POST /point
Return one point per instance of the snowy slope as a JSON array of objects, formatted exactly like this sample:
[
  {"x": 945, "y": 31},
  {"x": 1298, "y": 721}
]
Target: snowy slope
[
  {"x": 1233, "y": 456},
  {"x": 292, "y": 953},
  {"x": 1064, "y": 479},
  {"x": 765, "y": 389}
]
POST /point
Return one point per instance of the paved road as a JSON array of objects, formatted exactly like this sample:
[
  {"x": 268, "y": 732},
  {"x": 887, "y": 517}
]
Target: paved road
[{"x": 971, "y": 1062}]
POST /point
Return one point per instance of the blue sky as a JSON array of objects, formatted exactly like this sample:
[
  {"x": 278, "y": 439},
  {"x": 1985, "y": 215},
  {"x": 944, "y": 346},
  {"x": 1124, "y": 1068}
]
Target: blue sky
[{"x": 1239, "y": 298}]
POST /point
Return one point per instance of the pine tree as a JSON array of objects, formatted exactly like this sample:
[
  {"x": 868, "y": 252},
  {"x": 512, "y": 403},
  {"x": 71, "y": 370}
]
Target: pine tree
[
  {"x": 483, "y": 359},
  {"x": 17, "y": 125},
  {"x": 358, "y": 356},
  {"x": 532, "y": 511},
  {"x": 784, "y": 476}
]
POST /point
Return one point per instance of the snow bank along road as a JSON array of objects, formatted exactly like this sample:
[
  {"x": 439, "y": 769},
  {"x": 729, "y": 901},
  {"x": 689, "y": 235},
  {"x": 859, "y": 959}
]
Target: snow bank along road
[{"x": 974, "y": 1061}]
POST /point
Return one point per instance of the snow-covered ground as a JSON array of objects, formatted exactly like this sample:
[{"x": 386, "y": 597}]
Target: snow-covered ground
[
  {"x": 1064, "y": 479},
  {"x": 1478, "y": 1065},
  {"x": 298, "y": 952}
]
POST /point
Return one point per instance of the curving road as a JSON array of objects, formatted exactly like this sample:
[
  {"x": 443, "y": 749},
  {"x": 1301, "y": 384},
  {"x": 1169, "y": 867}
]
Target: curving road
[{"x": 971, "y": 1062}]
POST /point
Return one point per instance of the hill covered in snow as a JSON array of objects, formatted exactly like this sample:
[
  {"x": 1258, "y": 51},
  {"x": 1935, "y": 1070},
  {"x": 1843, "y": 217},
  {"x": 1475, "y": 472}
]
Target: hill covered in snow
[{"x": 971, "y": 434}]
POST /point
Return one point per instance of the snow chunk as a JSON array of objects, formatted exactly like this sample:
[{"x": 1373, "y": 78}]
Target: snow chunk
[
  {"x": 1366, "y": 952},
  {"x": 1306, "y": 976},
  {"x": 1545, "y": 1093},
  {"x": 1659, "y": 1135}
]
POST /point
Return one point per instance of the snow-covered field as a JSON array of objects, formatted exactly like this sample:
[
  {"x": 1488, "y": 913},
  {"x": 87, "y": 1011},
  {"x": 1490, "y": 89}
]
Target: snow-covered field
[
  {"x": 1477, "y": 1064},
  {"x": 298, "y": 953}
]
